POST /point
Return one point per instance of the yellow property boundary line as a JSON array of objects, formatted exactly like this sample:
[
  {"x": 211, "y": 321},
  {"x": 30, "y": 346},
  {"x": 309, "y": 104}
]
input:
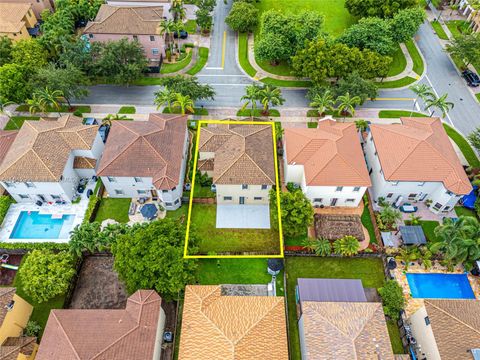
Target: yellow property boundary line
[{"x": 277, "y": 182}]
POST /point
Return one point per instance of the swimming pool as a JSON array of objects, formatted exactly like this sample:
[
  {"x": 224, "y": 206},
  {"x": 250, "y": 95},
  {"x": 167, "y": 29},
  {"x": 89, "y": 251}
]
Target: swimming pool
[
  {"x": 33, "y": 225},
  {"x": 440, "y": 286}
]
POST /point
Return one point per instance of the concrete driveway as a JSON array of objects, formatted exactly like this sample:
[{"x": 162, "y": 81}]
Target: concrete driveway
[{"x": 243, "y": 217}]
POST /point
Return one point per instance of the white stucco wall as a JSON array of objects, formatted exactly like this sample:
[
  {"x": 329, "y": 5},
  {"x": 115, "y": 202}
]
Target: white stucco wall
[
  {"x": 391, "y": 190},
  {"x": 301, "y": 334},
  {"x": 423, "y": 334},
  {"x": 236, "y": 191},
  {"x": 157, "y": 352}
]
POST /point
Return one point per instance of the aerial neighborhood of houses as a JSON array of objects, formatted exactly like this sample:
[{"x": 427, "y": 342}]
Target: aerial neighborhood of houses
[{"x": 270, "y": 179}]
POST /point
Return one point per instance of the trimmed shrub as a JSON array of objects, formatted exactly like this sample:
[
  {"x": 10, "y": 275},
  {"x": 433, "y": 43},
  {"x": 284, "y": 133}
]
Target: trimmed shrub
[{"x": 5, "y": 202}]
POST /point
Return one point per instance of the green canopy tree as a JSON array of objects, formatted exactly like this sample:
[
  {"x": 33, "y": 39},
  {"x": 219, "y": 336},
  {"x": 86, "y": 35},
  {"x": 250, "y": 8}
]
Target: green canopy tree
[
  {"x": 14, "y": 83},
  {"x": 29, "y": 53},
  {"x": 355, "y": 85},
  {"x": 5, "y": 50},
  {"x": 465, "y": 47},
  {"x": 380, "y": 8},
  {"x": 392, "y": 299},
  {"x": 188, "y": 86},
  {"x": 243, "y": 17},
  {"x": 405, "y": 23}
]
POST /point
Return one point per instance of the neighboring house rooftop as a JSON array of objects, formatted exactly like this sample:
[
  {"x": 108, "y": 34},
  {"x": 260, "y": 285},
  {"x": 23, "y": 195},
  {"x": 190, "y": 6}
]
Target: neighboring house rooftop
[
  {"x": 243, "y": 154},
  {"x": 331, "y": 154},
  {"x": 127, "y": 20},
  {"x": 419, "y": 150},
  {"x": 6, "y": 140},
  {"x": 41, "y": 149},
  {"x": 455, "y": 325},
  {"x": 14, "y": 346},
  {"x": 152, "y": 148},
  {"x": 104, "y": 334},
  {"x": 6, "y": 297},
  {"x": 11, "y": 16},
  {"x": 345, "y": 330},
  {"x": 332, "y": 290},
  {"x": 215, "y": 326}
]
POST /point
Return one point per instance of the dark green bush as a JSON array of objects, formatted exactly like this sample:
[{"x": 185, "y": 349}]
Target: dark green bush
[
  {"x": 5, "y": 202},
  {"x": 93, "y": 204}
]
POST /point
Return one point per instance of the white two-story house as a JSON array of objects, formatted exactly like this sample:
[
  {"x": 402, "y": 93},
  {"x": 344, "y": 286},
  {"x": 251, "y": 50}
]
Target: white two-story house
[
  {"x": 327, "y": 163},
  {"x": 240, "y": 160},
  {"x": 415, "y": 161},
  {"x": 45, "y": 160},
  {"x": 146, "y": 159}
]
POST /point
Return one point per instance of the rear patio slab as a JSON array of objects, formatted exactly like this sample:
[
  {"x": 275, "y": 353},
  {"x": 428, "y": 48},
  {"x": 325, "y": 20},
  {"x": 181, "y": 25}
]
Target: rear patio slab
[{"x": 243, "y": 217}]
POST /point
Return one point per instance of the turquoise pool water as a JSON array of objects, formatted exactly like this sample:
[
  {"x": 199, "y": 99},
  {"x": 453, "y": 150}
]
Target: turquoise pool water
[
  {"x": 440, "y": 286},
  {"x": 34, "y": 225}
]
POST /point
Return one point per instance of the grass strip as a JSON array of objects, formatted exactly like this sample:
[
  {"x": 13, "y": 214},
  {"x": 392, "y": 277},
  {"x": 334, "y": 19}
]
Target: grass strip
[
  {"x": 201, "y": 61},
  {"x": 437, "y": 27},
  {"x": 418, "y": 65},
  {"x": 258, "y": 112},
  {"x": 464, "y": 146},
  {"x": 396, "y": 83},
  {"x": 127, "y": 110},
  {"x": 177, "y": 66},
  {"x": 243, "y": 54},
  {"x": 395, "y": 114}
]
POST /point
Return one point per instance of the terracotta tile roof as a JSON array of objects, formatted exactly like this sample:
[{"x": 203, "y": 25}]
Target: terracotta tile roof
[
  {"x": 126, "y": 20},
  {"x": 82, "y": 162},
  {"x": 152, "y": 148},
  {"x": 232, "y": 327},
  {"x": 41, "y": 148},
  {"x": 345, "y": 331},
  {"x": 331, "y": 154},
  {"x": 456, "y": 326},
  {"x": 6, "y": 140},
  {"x": 6, "y": 296},
  {"x": 11, "y": 16},
  {"x": 13, "y": 346},
  {"x": 243, "y": 153},
  {"x": 127, "y": 334},
  {"x": 419, "y": 150}
]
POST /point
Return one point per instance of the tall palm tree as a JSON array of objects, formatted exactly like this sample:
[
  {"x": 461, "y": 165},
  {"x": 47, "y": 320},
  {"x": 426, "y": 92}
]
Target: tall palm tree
[
  {"x": 184, "y": 102},
  {"x": 251, "y": 97},
  {"x": 323, "y": 102},
  {"x": 36, "y": 104},
  {"x": 165, "y": 97},
  {"x": 441, "y": 103},
  {"x": 52, "y": 99},
  {"x": 347, "y": 104},
  {"x": 166, "y": 29},
  {"x": 3, "y": 107},
  {"x": 270, "y": 96},
  {"x": 422, "y": 91},
  {"x": 178, "y": 10},
  {"x": 177, "y": 27}
]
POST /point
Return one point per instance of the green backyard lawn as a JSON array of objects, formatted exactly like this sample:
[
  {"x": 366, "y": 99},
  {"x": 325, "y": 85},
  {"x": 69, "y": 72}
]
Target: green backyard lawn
[
  {"x": 370, "y": 271},
  {"x": 462, "y": 211},
  {"x": 213, "y": 240},
  {"x": 428, "y": 227},
  {"x": 116, "y": 209}
]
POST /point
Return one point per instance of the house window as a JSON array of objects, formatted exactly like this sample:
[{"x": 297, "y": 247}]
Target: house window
[
  {"x": 356, "y": 189},
  {"x": 412, "y": 196},
  {"x": 227, "y": 198},
  {"x": 394, "y": 183},
  {"x": 389, "y": 195},
  {"x": 318, "y": 200},
  {"x": 350, "y": 200},
  {"x": 244, "y": 186},
  {"x": 141, "y": 192},
  {"x": 257, "y": 198},
  {"x": 164, "y": 191},
  {"x": 135, "y": 37},
  {"x": 422, "y": 183},
  {"x": 29, "y": 184},
  {"x": 137, "y": 179},
  {"x": 427, "y": 320},
  {"x": 168, "y": 204},
  {"x": 90, "y": 36},
  {"x": 339, "y": 188},
  {"x": 264, "y": 187},
  {"x": 111, "y": 179},
  {"x": 176, "y": 201},
  {"x": 9, "y": 184},
  {"x": 55, "y": 197},
  {"x": 174, "y": 188},
  {"x": 152, "y": 38},
  {"x": 437, "y": 206},
  {"x": 155, "y": 51},
  {"x": 446, "y": 208},
  {"x": 118, "y": 192},
  {"x": 23, "y": 196}
]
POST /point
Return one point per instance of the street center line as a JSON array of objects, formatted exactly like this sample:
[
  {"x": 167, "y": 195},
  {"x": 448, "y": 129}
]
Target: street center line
[{"x": 223, "y": 48}]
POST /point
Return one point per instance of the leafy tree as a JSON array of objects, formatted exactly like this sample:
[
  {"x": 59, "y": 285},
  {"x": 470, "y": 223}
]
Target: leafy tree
[
  {"x": 243, "y": 17},
  {"x": 164, "y": 97},
  {"x": 465, "y": 47},
  {"x": 206, "y": 4},
  {"x": 204, "y": 19},
  {"x": 474, "y": 138},
  {"x": 405, "y": 23},
  {"x": 270, "y": 95},
  {"x": 29, "y": 53},
  {"x": 422, "y": 91},
  {"x": 74, "y": 53},
  {"x": 184, "y": 103},
  {"x": 70, "y": 81},
  {"x": 355, "y": 85},
  {"x": 380, "y": 8},
  {"x": 88, "y": 237},
  {"x": 5, "y": 50},
  {"x": 45, "y": 274},
  {"x": 152, "y": 257},
  {"x": 251, "y": 97},
  {"x": 296, "y": 212},
  {"x": 347, "y": 104},
  {"x": 323, "y": 102},
  {"x": 14, "y": 84},
  {"x": 370, "y": 33},
  {"x": 407, "y": 255},
  {"x": 320, "y": 247},
  {"x": 346, "y": 246},
  {"x": 273, "y": 48},
  {"x": 188, "y": 86},
  {"x": 178, "y": 10},
  {"x": 33, "y": 328},
  {"x": 389, "y": 215},
  {"x": 440, "y": 103},
  {"x": 392, "y": 299}
]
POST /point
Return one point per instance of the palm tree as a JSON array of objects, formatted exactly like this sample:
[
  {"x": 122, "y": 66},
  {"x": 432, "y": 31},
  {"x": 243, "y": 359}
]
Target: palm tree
[
  {"x": 407, "y": 255},
  {"x": 389, "y": 215},
  {"x": 361, "y": 125},
  {"x": 323, "y": 102},
  {"x": 346, "y": 246},
  {"x": 3, "y": 107},
  {"x": 414, "y": 220},
  {"x": 51, "y": 99},
  {"x": 251, "y": 97},
  {"x": 441, "y": 103},
  {"x": 107, "y": 120},
  {"x": 166, "y": 29},
  {"x": 320, "y": 247},
  {"x": 270, "y": 96},
  {"x": 178, "y": 11},
  {"x": 347, "y": 104},
  {"x": 164, "y": 97},
  {"x": 36, "y": 104},
  {"x": 184, "y": 102},
  {"x": 177, "y": 27},
  {"x": 423, "y": 92}
]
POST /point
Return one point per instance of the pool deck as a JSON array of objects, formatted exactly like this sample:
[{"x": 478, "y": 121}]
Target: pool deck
[
  {"x": 413, "y": 304},
  {"x": 78, "y": 210}
]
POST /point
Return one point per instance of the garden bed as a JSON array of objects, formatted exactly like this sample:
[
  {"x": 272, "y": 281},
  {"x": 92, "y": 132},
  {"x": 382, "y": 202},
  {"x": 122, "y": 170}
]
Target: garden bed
[{"x": 333, "y": 227}]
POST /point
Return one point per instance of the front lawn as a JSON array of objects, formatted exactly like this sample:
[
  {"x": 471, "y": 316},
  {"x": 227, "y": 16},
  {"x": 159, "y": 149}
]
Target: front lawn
[
  {"x": 243, "y": 54},
  {"x": 464, "y": 146},
  {"x": 396, "y": 83},
  {"x": 478, "y": 97},
  {"x": 458, "y": 27},
  {"x": 428, "y": 227},
  {"x": 127, "y": 110},
  {"x": 16, "y": 122},
  {"x": 437, "y": 27},
  {"x": 418, "y": 65},
  {"x": 112, "y": 208},
  {"x": 370, "y": 271},
  {"x": 169, "y": 68},
  {"x": 395, "y": 114},
  {"x": 201, "y": 61},
  {"x": 216, "y": 241},
  {"x": 399, "y": 62}
]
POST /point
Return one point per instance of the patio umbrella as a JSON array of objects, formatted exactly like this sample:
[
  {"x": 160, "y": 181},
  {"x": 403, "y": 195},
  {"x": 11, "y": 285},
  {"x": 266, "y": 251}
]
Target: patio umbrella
[{"x": 149, "y": 211}]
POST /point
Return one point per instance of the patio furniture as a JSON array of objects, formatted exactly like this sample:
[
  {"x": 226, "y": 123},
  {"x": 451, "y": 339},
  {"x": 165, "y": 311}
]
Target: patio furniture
[
  {"x": 413, "y": 235},
  {"x": 149, "y": 211},
  {"x": 407, "y": 208},
  {"x": 132, "y": 209}
]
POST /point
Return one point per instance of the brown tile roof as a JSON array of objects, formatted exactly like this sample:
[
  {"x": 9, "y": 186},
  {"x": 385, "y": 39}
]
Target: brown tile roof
[
  {"x": 127, "y": 334},
  {"x": 6, "y": 140},
  {"x": 152, "y": 148},
  {"x": 243, "y": 153},
  {"x": 11, "y": 16},
  {"x": 41, "y": 148},
  {"x": 6, "y": 296},
  {"x": 126, "y": 20},
  {"x": 419, "y": 150},
  {"x": 345, "y": 330},
  {"x": 81, "y": 162},
  {"x": 232, "y": 327},
  {"x": 13, "y": 346},
  {"x": 331, "y": 154},
  {"x": 456, "y": 326}
]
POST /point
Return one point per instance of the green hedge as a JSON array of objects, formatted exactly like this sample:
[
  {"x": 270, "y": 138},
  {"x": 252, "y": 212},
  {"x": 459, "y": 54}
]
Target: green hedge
[
  {"x": 93, "y": 205},
  {"x": 5, "y": 202},
  {"x": 33, "y": 246}
]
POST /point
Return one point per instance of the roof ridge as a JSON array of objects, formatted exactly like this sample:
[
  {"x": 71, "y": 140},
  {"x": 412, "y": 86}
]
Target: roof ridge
[
  {"x": 453, "y": 317},
  {"x": 53, "y": 312},
  {"x": 235, "y": 160},
  {"x": 40, "y": 159},
  {"x": 268, "y": 177},
  {"x": 354, "y": 168},
  {"x": 328, "y": 321},
  {"x": 117, "y": 340}
]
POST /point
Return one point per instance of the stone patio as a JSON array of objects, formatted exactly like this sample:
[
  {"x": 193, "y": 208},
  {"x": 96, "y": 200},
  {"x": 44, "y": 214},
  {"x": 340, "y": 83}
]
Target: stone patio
[{"x": 243, "y": 217}]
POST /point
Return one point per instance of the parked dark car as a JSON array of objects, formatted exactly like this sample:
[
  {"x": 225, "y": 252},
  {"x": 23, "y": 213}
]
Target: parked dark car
[
  {"x": 471, "y": 78},
  {"x": 183, "y": 34}
]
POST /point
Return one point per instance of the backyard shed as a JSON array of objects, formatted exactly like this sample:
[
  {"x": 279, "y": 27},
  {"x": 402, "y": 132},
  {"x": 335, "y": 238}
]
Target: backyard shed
[
  {"x": 413, "y": 235},
  {"x": 330, "y": 290}
]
